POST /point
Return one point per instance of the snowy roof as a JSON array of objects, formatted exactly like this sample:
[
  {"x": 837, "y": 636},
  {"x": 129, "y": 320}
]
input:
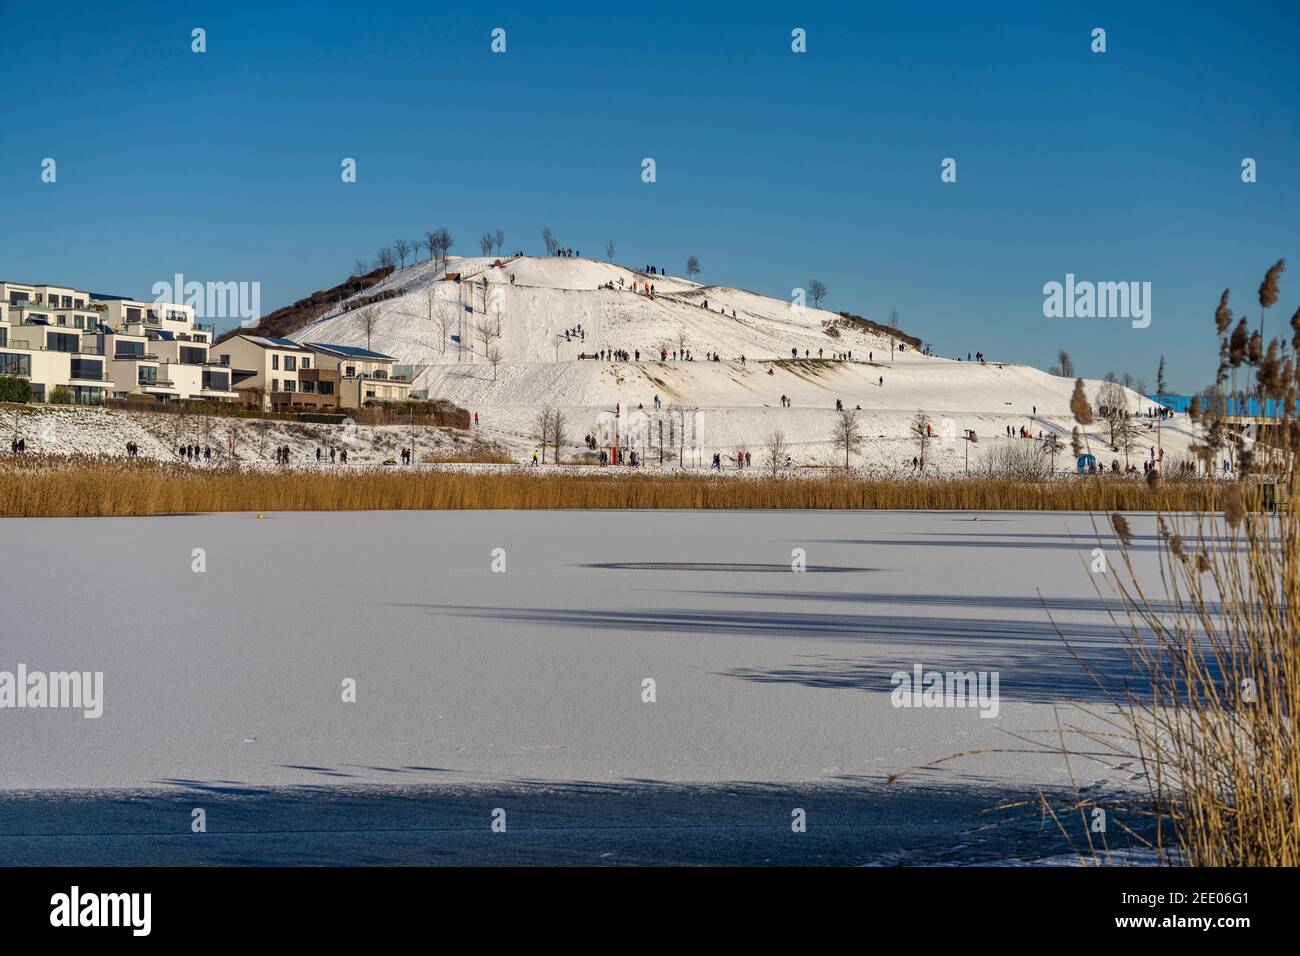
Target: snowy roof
[
  {"x": 349, "y": 351},
  {"x": 268, "y": 343}
]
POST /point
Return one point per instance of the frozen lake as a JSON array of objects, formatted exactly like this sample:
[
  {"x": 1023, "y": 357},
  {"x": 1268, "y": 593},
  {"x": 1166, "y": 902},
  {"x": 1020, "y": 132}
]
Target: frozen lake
[{"x": 523, "y": 690}]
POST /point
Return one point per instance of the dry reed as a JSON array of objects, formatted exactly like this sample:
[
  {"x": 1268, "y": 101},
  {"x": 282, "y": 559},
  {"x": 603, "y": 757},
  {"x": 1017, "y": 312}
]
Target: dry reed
[{"x": 31, "y": 486}]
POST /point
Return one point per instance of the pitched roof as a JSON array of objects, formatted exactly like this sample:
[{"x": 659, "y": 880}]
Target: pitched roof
[
  {"x": 349, "y": 351},
  {"x": 282, "y": 344}
]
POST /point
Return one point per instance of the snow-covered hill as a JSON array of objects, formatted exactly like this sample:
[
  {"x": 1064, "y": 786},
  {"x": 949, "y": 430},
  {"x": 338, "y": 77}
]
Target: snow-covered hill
[{"x": 521, "y": 309}]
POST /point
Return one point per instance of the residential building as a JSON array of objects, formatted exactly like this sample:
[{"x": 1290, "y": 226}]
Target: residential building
[
  {"x": 97, "y": 347},
  {"x": 365, "y": 377},
  {"x": 278, "y": 374}
]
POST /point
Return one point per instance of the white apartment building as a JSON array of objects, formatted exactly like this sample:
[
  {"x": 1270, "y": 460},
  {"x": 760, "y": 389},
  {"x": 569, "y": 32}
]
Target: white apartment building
[{"x": 80, "y": 348}]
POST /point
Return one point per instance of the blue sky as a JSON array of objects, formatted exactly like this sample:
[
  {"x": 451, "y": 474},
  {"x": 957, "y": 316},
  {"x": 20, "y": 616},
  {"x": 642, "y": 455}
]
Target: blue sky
[{"x": 773, "y": 167}]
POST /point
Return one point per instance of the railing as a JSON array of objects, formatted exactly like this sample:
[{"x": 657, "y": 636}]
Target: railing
[
  {"x": 136, "y": 357},
  {"x": 89, "y": 378},
  {"x": 156, "y": 383}
]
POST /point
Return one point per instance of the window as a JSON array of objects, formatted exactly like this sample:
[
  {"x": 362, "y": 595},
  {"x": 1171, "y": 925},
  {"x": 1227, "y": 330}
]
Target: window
[
  {"x": 11, "y": 364},
  {"x": 193, "y": 356},
  {"x": 146, "y": 374},
  {"x": 86, "y": 368},
  {"x": 216, "y": 381},
  {"x": 78, "y": 321},
  {"x": 67, "y": 301},
  {"x": 306, "y": 362},
  {"x": 351, "y": 371},
  {"x": 61, "y": 320},
  {"x": 127, "y": 349},
  {"x": 290, "y": 363},
  {"x": 309, "y": 386},
  {"x": 225, "y": 359},
  {"x": 62, "y": 342},
  {"x": 79, "y": 304},
  {"x": 133, "y": 315},
  {"x": 325, "y": 388},
  {"x": 275, "y": 362},
  {"x": 288, "y": 385}
]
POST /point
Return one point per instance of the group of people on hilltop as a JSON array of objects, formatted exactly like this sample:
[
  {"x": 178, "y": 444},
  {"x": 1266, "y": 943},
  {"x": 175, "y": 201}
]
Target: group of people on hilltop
[
  {"x": 192, "y": 452},
  {"x": 575, "y": 333},
  {"x": 655, "y": 270},
  {"x": 568, "y": 253}
]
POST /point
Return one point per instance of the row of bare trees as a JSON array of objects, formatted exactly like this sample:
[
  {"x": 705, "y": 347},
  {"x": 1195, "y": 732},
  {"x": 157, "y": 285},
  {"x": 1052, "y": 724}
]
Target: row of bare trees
[
  {"x": 491, "y": 240},
  {"x": 550, "y": 427},
  {"x": 436, "y": 242}
]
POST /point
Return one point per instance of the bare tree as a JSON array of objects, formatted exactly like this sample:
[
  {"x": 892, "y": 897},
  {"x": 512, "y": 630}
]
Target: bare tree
[
  {"x": 776, "y": 449},
  {"x": 1112, "y": 404},
  {"x": 677, "y": 416},
  {"x": 1052, "y": 445},
  {"x": 609, "y": 250},
  {"x": 692, "y": 266},
  {"x": 431, "y": 243},
  {"x": 847, "y": 433},
  {"x": 559, "y": 429},
  {"x": 893, "y": 326},
  {"x": 494, "y": 356},
  {"x": 445, "y": 242},
  {"x": 485, "y": 243},
  {"x": 921, "y": 432},
  {"x": 549, "y": 239},
  {"x": 445, "y": 318},
  {"x": 542, "y": 422},
  {"x": 384, "y": 258},
  {"x": 368, "y": 318},
  {"x": 1065, "y": 363},
  {"x": 488, "y": 329},
  {"x": 681, "y": 342},
  {"x": 403, "y": 249},
  {"x": 1126, "y": 437},
  {"x": 816, "y": 289},
  {"x": 429, "y": 296},
  {"x": 499, "y": 240},
  {"x": 360, "y": 267}
]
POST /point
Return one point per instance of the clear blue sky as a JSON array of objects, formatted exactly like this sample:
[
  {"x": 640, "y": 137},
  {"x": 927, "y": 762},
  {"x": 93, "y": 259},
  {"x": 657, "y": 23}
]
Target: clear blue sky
[{"x": 773, "y": 167}]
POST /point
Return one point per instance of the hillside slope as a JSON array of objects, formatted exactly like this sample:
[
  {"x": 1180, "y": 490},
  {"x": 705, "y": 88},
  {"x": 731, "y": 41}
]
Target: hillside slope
[{"x": 735, "y": 402}]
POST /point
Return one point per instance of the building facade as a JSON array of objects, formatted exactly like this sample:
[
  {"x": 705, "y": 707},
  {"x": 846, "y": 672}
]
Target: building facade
[{"x": 76, "y": 347}]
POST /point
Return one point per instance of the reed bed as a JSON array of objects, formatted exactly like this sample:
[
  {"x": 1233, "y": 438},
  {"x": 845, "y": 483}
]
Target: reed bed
[
  {"x": 1211, "y": 636},
  {"x": 32, "y": 486}
]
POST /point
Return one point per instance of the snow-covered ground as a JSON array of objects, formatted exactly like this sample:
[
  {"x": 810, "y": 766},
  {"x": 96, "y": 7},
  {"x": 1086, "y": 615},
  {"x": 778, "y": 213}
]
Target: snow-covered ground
[
  {"x": 69, "y": 430},
  {"x": 534, "y": 301},
  {"x": 524, "y": 689}
]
